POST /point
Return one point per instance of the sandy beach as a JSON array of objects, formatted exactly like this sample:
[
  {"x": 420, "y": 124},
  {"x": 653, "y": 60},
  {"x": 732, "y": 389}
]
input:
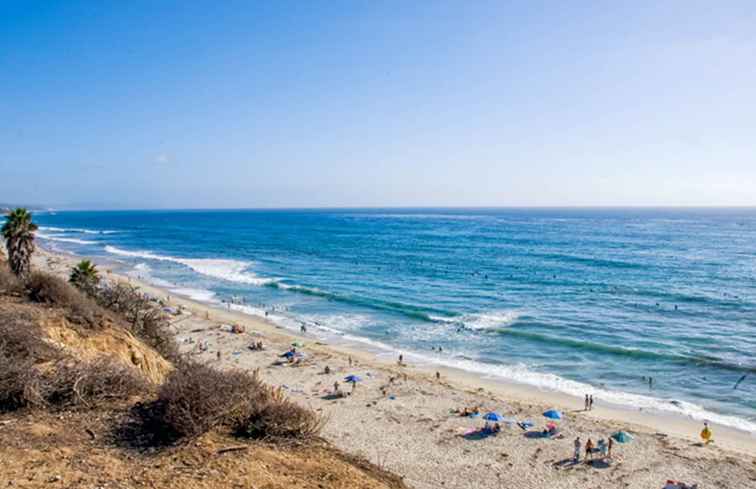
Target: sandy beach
[{"x": 403, "y": 418}]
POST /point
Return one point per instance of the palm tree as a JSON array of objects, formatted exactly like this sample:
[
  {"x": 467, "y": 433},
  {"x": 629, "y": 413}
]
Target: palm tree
[
  {"x": 85, "y": 276},
  {"x": 18, "y": 232}
]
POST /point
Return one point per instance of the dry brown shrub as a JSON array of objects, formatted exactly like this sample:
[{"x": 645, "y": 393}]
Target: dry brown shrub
[
  {"x": 197, "y": 398},
  {"x": 72, "y": 384},
  {"x": 145, "y": 318},
  {"x": 49, "y": 289},
  {"x": 21, "y": 338},
  {"x": 277, "y": 418},
  {"x": 33, "y": 373},
  {"x": 9, "y": 283},
  {"x": 21, "y": 348},
  {"x": 18, "y": 381}
]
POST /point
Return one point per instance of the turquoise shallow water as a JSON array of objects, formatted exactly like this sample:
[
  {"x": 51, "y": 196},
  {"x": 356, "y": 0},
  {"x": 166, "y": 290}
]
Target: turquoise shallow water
[{"x": 574, "y": 300}]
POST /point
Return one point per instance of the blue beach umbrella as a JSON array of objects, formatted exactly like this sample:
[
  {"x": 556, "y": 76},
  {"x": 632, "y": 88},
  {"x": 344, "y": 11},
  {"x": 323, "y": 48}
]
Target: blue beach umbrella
[
  {"x": 622, "y": 437},
  {"x": 496, "y": 417},
  {"x": 553, "y": 414},
  {"x": 352, "y": 378}
]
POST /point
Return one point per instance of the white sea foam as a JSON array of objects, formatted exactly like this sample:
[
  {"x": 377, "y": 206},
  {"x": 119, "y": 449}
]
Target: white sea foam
[
  {"x": 230, "y": 270},
  {"x": 337, "y": 322},
  {"x": 200, "y": 295},
  {"x": 75, "y": 230},
  {"x": 481, "y": 321},
  {"x": 142, "y": 271},
  {"x": 62, "y": 239},
  {"x": 521, "y": 374}
]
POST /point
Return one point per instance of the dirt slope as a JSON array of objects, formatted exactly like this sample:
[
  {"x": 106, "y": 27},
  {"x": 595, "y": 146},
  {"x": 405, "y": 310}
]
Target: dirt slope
[{"x": 76, "y": 450}]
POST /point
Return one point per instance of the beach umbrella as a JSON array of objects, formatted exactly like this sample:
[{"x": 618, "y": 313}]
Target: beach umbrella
[
  {"x": 553, "y": 414},
  {"x": 622, "y": 437},
  {"x": 492, "y": 416},
  {"x": 352, "y": 378}
]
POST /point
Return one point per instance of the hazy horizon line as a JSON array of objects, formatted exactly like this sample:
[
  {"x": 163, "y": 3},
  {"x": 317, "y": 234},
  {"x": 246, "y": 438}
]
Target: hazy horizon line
[{"x": 398, "y": 207}]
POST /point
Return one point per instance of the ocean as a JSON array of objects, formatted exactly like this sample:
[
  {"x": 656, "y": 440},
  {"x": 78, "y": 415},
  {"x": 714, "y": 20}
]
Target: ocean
[{"x": 573, "y": 300}]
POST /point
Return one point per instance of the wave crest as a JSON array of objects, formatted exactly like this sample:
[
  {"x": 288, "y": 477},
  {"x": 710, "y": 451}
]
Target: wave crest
[{"x": 229, "y": 270}]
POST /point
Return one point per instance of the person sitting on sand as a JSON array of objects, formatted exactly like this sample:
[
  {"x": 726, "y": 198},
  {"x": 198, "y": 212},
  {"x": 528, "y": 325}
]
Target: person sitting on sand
[
  {"x": 588, "y": 450},
  {"x": 327, "y": 370}
]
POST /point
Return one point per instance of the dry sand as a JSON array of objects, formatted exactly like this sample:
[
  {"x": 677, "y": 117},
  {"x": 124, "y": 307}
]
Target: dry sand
[{"x": 407, "y": 426}]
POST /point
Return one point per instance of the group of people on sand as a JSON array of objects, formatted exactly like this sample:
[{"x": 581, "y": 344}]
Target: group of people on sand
[
  {"x": 468, "y": 411},
  {"x": 256, "y": 346},
  {"x": 603, "y": 447},
  {"x": 589, "y": 402}
]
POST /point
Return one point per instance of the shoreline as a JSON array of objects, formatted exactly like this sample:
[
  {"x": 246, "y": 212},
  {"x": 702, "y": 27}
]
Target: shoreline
[{"x": 669, "y": 423}]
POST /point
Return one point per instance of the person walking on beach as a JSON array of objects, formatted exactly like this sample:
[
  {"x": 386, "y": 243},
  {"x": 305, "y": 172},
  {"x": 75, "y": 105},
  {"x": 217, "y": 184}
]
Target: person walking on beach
[
  {"x": 578, "y": 445},
  {"x": 586, "y": 403},
  {"x": 590, "y": 403}
]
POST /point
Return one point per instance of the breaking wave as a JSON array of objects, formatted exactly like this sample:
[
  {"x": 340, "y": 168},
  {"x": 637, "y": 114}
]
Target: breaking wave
[{"x": 229, "y": 270}]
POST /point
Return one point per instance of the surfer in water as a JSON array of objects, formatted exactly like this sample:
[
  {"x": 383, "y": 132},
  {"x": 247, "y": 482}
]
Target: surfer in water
[{"x": 741, "y": 379}]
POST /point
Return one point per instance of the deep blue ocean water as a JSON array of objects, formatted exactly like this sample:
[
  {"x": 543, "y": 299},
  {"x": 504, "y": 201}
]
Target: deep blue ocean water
[{"x": 581, "y": 301}]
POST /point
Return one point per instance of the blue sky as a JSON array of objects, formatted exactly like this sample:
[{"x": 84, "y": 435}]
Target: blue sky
[{"x": 428, "y": 103}]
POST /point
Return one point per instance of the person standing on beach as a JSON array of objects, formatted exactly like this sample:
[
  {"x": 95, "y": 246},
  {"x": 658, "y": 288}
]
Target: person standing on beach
[
  {"x": 588, "y": 450},
  {"x": 590, "y": 403},
  {"x": 706, "y": 433},
  {"x": 586, "y": 403},
  {"x": 578, "y": 445},
  {"x": 609, "y": 448}
]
